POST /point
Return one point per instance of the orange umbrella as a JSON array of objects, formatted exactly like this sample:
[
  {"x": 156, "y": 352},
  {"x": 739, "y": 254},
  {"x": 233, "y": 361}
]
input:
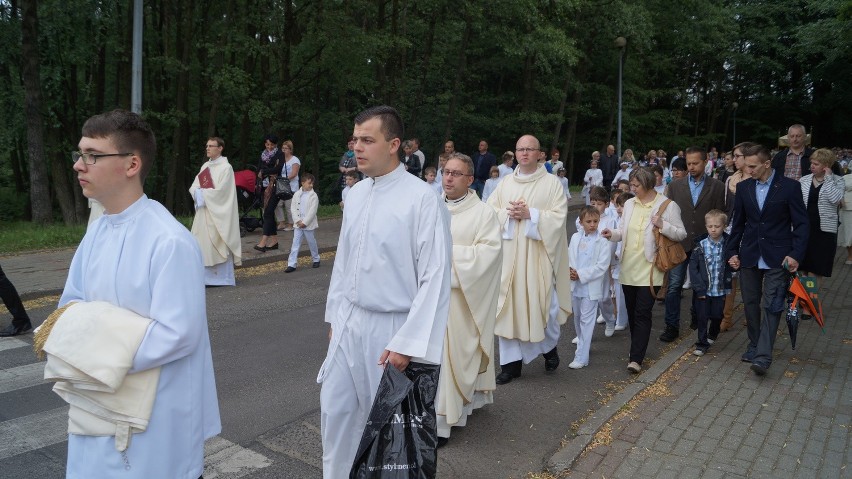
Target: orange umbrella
[{"x": 807, "y": 297}]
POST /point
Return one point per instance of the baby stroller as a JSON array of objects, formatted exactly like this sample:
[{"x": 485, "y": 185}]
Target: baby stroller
[{"x": 249, "y": 199}]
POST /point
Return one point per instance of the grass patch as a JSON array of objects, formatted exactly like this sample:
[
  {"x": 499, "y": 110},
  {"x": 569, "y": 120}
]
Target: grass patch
[{"x": 24, "y": 236}]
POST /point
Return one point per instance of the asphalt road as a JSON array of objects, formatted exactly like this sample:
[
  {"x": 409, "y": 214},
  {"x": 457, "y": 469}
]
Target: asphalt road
[{"x": 269, "y": 339}]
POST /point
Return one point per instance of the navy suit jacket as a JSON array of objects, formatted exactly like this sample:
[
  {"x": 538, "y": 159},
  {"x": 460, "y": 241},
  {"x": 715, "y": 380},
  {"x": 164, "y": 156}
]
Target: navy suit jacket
[
  {"x": 779, "y": 230},
  {"x": 482, "y": 165}
]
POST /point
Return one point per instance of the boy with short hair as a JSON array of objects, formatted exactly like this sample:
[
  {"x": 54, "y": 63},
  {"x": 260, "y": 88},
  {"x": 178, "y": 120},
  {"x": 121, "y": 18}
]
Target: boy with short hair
[
  {"x": 711, "y": 279},
  {"x": 623, "y": 185},
  {"x": 599, "y": 199},
  {"x": 304, "y": 208},
  {"x": 138, "y": 257},
  {"x": 351, "y": 177},
  {"x": 430, "y": 173},
  {"x": 589, "y": 254}
]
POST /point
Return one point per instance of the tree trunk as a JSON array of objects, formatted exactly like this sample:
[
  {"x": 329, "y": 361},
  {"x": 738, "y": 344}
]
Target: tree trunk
[
  {"x": 39, "y": 184},
  {"x": 177, "y": 169},
  {"x": 457, "y": 81}
]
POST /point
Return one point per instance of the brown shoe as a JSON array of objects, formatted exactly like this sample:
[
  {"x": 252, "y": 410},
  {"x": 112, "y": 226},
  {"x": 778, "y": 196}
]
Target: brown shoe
[{"x": 726, "y": 325}]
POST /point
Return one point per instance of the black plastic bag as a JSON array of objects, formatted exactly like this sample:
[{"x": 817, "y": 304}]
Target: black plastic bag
[{"x": 401, "y": 435}]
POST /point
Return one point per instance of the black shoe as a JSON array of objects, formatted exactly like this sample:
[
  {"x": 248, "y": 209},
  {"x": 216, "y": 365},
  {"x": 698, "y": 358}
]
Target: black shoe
[
  {"x": 316, "y": 264},
  {"x": 442, "y": 441},
  {"x": 13, "y": 330},
  {"x": 670, "y": 334},
  {"x": 758, "y": 369},
  {"x": 508, "y": 372},
  {"x": 747, "y": 357},
  {"x": 693, "y": 323},
  {"x": 551, "y": 360},
  {"x": 275, "y": 246},
  {"x": 289, "y": 269},
  {"x": 262, "y": 249}
]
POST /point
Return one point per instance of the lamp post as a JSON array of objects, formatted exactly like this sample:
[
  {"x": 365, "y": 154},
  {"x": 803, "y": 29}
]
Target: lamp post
[
  {"x": 735, "y": 105},
  {"x": 620, "y": 43}
]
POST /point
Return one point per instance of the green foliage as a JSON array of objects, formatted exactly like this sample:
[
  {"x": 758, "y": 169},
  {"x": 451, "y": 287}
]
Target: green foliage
[{"x": 460, "y": 70}]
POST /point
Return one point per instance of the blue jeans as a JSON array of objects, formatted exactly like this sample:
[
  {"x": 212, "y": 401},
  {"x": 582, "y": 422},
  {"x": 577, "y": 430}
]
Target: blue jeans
[
  {"x": 676, "y": 278},
  {"x": 770, "y": 285}
]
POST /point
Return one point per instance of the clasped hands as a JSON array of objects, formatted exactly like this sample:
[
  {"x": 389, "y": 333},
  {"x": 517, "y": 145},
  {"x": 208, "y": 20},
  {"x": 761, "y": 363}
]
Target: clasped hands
[{"x": 518, "y": 210}]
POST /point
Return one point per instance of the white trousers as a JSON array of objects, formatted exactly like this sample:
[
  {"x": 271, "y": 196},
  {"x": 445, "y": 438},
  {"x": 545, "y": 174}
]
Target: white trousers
[
  {"x": 350, "y": 383},
  {"x": 585, "y": 314},
  {"x": 620, "y": 305},
  {"x": 605, "y": 303},
  {"x": 512, "y": 350},
  {"x": 298, "y": 234}
]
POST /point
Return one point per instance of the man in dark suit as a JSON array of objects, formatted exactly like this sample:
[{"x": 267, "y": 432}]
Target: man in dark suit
[
  {"x": 609, "y": 165},
  {"x": 483, "y": 160},
  {"x": 696, "y": 195},
  {"x": 769, "y": 235},
  {"x": 795, "y": 161}
]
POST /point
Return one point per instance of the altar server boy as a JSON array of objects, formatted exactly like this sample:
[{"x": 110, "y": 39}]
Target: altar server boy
[{"x": 589, "y": 257}]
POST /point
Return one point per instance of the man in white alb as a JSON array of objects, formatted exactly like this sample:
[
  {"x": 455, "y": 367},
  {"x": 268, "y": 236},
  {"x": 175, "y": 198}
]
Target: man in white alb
[
  {"x": 138, "y": 257},
  {"x": 535, "y": 290},
  {"x": 390, "y": 285},
  {"x": 467, "y": 369},
  {"x": 217, "y": 221}
]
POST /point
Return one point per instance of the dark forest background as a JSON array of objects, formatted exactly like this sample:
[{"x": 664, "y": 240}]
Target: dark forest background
[{"x": 460, "y": 70}]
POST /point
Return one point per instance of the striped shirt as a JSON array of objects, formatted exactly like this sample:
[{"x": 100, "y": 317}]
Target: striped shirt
[{"x": 713, "y": 251}]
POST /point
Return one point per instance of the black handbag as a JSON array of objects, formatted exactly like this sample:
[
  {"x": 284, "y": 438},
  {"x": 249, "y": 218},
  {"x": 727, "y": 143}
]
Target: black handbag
[{"x": 282, "y": 186}]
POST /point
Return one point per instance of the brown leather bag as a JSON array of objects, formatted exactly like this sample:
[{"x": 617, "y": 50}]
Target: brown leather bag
[{"x": 669, "y": 252}]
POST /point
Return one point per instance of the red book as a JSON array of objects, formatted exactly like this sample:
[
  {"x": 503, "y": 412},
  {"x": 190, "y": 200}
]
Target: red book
[{"x": 205, "y": 179}]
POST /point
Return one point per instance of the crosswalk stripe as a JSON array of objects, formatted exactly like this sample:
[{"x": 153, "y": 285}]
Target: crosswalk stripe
[
  {"x": 21, "y": 377},
  {"x": 28, "y": 433},
  {"x": 224, "y": 459},
  {"x": 12, "y": 343}
]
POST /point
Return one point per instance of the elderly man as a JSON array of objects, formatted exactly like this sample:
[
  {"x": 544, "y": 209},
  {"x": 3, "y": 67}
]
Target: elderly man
[
  {"x": 535, "y": 294},
  {"x": 467, "y": 368},
  {"x": 609, "y": 166},
  {"x": 795, "y": 160},
  {"x": 217, "y": 221},
  {"x": 769, "y": 235}
]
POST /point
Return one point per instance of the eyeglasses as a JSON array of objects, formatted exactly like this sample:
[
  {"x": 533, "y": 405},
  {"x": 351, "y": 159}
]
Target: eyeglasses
[
  {"x": 526, "y": 150},
  {"x": 453, "y": 173},
  {"x": 738, "y": 156},
  {"x": 92, "y": 158},
  {"x": 212, "y": 146}
]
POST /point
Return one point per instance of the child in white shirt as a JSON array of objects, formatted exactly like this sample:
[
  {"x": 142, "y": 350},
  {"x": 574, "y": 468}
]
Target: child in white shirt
[
  {"x": 430, "y": 175},
  {"x": 589, "y": 254},
  {"x": 562, "y": 179},
  {"x": 304, "y": 208},
  {"x": 490, "y": 183},
  {"x": 350, "y": 178}
]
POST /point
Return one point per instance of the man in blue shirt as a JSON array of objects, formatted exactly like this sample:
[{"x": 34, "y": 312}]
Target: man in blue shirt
[
  {"x": 483, "y": 160},
  {"x": 769, "y": 235},
  {"x": 696, "y": 195}
]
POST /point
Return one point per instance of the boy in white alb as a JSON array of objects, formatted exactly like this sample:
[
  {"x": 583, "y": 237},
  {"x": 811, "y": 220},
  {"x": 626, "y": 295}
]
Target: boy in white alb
[
  {"x": 598, "y": 197},
  {"x": 620, "y": 305},
  {"x": 304, "y": 208},
  {"x": 589, "y": 254},
  {"x": 137, "y": 256},
  {"x": 560, "y": 173}
]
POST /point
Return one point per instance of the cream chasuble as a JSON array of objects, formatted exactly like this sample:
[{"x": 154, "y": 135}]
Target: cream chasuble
[
  {"x": 217, "y": 225},
  {"x": 535, "y": 255},
  {"x": 467, "y": 369}
]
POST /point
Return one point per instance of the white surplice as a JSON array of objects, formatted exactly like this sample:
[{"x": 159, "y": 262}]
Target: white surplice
[
  {"x": 216, "y": 225},
  {"x": 467, "y": 378},
  {"x": 535, "y": 294},
  {"x": 143, "y": 260},
  {"x": 389, "y": 289}
]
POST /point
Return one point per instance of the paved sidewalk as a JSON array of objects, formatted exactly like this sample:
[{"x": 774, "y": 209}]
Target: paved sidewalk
[{"x": 712, "y": 417}]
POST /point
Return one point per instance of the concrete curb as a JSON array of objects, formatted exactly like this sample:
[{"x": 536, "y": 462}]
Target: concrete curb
[{"x": 566, "y": 457}]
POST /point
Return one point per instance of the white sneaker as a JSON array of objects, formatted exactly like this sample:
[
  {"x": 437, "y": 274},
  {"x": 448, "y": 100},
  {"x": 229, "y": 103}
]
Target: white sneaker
[
  {"x": 698, "y": 352},
  {"x": 577, "y": 365},
  {"x": 608, "y": 332},
  {"x": 620, "y": 328},
  {"x": 634, "y": 367},
  {"x": 710, "y": 341},
  {"x": 600, "y": 319},
  {"x": 576, "y": 340}
]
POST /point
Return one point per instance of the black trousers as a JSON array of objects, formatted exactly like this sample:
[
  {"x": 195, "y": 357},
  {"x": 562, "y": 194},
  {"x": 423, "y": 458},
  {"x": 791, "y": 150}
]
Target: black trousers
[
  {"x": 13, "y": 301},
  {"x": 270, "y": 227},
  {"x": 639, "y": 302}
]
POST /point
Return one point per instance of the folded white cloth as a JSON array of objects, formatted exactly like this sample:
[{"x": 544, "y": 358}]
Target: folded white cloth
[{"x": 89, "y": 351}]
